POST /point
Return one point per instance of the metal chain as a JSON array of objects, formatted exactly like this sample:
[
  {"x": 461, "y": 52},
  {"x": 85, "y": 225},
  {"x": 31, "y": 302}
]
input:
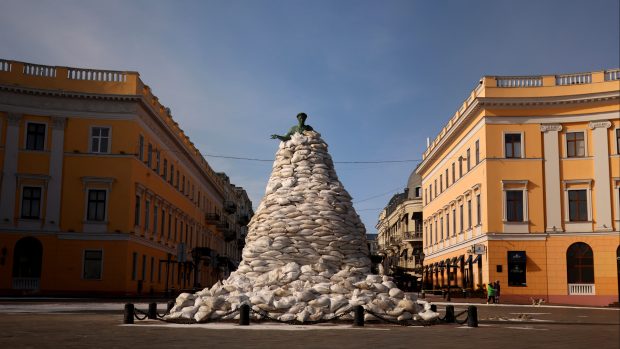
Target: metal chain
[
  {"x": 459, "y": 314},
  {"x": 396, "y": 322},
  {"x": 265, "y": 315},
  {"x": 221, "y": 316}
]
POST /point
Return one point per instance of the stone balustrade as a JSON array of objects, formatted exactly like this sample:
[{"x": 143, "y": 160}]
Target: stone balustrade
[
  {"x": 573, "y": 79},
  {"x": 96, "y": 75},
  {"x": 612, "y": 75},
  {"x": 46, "y": 71},
  {"x": 519, "y": 81},
  {"x": 5, "y": 65}
]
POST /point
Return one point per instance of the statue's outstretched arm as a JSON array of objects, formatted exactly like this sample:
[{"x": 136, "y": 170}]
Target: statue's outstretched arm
[{"x": 282, "y": 138}]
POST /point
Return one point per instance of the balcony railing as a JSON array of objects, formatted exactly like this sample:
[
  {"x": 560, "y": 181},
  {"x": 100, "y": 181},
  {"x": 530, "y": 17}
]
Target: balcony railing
[
  {"x": 581, "y": 289},
  {"x": 26, "y": 283},
  {"x": 5, "y": 65},
  {"x": 612, "y": 75},
  {"x": 96, "y": 75},
  {"x": 39, "y": 70},
  {"x": 412, "y": 235},
  {"x": 573, "y": 79},
  {"x": 519, "y": 81}
]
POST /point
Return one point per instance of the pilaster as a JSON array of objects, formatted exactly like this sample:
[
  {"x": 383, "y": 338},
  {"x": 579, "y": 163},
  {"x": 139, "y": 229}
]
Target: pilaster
[
  {"x": 54, "y": 188},
  {"x": 602, "y": 186},
  {"x": 9, "y": 178},
  {"x": 553, "y": 207}
]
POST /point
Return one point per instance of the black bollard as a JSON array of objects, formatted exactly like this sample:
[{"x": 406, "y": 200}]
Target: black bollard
[
  {"x": 358, "y": 320},
  {"x": 449, "y": 317},
  {"x": 434, "y": 307},
  {"x": 472, "y": 316},
  {"x": 244, "y": 315},
  {"x": 169, "y": 306},
  {"x": 128, "y": 316},
  {"x": 152, "y": 313}
]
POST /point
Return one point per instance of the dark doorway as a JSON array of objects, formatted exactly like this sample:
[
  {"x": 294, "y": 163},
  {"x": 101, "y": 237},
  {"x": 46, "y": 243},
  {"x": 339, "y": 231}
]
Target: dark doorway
[{"x": 27, "y": 260}]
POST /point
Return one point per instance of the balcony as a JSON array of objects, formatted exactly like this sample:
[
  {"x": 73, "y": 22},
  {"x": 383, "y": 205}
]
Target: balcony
[
  {"x": 26, "y": 283},
  {"x": 395, "y": 240},
  {"x": 212, "y": 218},
  {"x": 581, "y": 289},
  {"x": 230, "y": 207},
  {"x": 412, "y": 236}
]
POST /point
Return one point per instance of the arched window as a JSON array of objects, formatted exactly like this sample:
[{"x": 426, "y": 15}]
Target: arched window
[{"x": 580, "y": 264}]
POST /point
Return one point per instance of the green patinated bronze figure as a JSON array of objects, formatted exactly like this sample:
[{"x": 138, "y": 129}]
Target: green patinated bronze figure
[{"x": 300, "y": 128}]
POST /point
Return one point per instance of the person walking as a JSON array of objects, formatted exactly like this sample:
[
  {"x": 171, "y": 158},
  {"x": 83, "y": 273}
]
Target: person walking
[
  {"x": 490, "y": 293},
  {"x": 497, "y": 291}
]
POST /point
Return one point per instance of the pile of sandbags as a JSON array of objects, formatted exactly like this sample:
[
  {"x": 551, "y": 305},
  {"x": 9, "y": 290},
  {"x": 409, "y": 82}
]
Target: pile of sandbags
[{"x": 305, "y": 256}]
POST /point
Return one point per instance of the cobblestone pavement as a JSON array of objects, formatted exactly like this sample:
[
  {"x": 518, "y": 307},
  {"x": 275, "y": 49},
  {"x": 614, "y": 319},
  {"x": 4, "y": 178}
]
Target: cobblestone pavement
[{"x": 50, "y": 325}]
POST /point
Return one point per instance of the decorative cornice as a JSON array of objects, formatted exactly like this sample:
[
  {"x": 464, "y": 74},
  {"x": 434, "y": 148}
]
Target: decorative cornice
[
  {"x": 71, "y": 94},
  {"x": 550, "y": 127},
  {"x": 599, "y": 124}
]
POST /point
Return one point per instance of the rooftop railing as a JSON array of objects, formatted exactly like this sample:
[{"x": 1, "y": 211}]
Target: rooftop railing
[
  {"x": 5, "y": 65},
  {"x": 96, "y": 75},
  {"x": 519, "y": 81},
  {"x": 39, "y": 70},
  {"x": 612, "y": 75},
  {"x": 573, "y": 79}
]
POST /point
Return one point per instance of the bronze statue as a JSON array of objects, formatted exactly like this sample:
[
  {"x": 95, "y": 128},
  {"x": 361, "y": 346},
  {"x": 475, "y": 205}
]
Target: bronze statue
[{"x": 300, "y": 128}]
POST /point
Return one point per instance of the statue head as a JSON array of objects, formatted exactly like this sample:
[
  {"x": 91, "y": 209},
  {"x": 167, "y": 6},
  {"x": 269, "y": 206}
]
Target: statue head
[{"x": 302, "y": 117}]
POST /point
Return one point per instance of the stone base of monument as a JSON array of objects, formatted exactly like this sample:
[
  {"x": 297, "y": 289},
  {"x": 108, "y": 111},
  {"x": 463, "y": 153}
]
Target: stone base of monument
[{"x": 305, "y": 257}]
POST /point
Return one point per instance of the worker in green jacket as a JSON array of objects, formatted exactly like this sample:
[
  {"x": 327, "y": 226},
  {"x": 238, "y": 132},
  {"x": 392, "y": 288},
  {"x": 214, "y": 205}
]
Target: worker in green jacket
[{"x": 490, "y": 293}]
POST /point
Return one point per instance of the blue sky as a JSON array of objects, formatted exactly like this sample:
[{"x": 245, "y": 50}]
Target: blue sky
[{"x": 375, "y": 77}]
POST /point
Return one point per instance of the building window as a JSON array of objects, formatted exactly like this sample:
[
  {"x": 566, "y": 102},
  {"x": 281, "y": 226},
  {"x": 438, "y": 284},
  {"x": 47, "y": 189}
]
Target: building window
[
  {"x": 425, "y": 196},
  {"x": 147, "y": 214},
  {"x": 460, "y": 166},
  {"x": 92, "y": 264},
  {"x": 417, "y": 193},
  {"x": 580, "y": 264},
  {"x": 431, "y": 232},
  {"x": 96, "y": 205},
  {"x": 512, "y": 145},
  {"x": 618, "y": 141},
  {"x": 149, "y": 156},
  {"x": 468, "y": 214},
  {"x": 141, "y": 148},
  {"x": 478, "y": 212},
  {"x": 514, "y": 205},
  {"x": 468, "y": 160},
  {"x": 31, "y": 203},
  {"x": 163, "y": 222},
  {"x": 447, "y": 182},
  {"x": 578, "y": 205},
  {"x": 155, "y": 216},
  {"x": 430, "y": 189},
  {"x": 575, "y": 145},
  {"x": 169, "y": 224},
  {"x": 171, "y": 174},
  {"x": 441, "y": 228},
  {"x": 100, "y": 140},
  {"x": 177, "y": 182},
  {"x": 35, "y": 136},
  {"x": 165, "y": 174},
  {"x": 157, "y": 160},
  {"x": 453, "y": 173},
  {"x": 517, "y": 268},
  {"x": 143, "y": 267},
  {"x": 152, "y": 269},
  {"x": 440, "y": 184},
  {"x": 447, "y": 224},
  {"x": 136, "y": 214},
  {"x": 454, "y": 222},
  {"x": 134, "y": 266},
  {"x": 477, "y": 152},
  {"x": 462, "y": 226}
]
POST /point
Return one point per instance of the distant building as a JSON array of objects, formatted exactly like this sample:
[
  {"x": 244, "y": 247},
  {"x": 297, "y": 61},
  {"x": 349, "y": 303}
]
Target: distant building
[
  {"x": 522, "y": 185},
  {"x": 400, "y": 231},
  {"x": 102, "y": 192}
]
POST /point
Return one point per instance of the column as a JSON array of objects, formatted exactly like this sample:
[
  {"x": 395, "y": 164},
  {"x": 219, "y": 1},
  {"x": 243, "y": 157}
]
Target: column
[
  {"x": 9, "y": 179},
  {"x": 54, "y": 187},
  {"x": 553, "y": 188},
  {"x": 602, "y": 187}
]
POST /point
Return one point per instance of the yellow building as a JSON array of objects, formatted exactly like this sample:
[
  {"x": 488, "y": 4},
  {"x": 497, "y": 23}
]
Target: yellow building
[
  {"x": 399, "y": 233},
  {"x": 522, "y": 185},
  {"x": 102, "y": 192}
]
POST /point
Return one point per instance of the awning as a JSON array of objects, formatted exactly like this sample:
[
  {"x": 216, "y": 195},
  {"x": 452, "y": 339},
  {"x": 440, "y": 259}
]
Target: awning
[
  {"x": 477, "y": 258},
  {"x": 468, "y": 260}
]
